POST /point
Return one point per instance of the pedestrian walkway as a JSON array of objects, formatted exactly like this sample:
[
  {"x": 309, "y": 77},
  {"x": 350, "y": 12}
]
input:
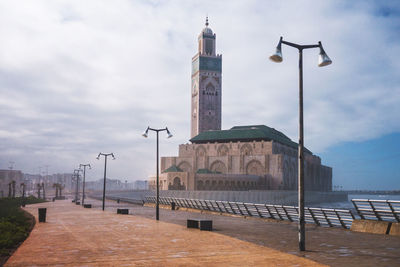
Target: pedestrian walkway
[{"x": 75, "y": 236}]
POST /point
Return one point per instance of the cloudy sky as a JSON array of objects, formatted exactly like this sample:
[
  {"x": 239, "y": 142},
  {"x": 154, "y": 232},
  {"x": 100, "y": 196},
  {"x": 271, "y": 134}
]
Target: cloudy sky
[{"x": 82, "y": 77}]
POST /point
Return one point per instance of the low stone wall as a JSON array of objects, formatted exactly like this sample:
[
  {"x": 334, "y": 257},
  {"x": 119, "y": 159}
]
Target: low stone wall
[
  {"x": 277, "y": 197},
  {"x": 370, "y": 226},
  {"x": 395, "y": 229},
  {"x": 376, "y": 227}
]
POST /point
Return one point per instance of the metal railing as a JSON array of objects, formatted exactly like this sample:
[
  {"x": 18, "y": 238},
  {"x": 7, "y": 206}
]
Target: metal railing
[
  {"x": 115, "y": 198},
  {"x": 381, "y": 210},
  {"x": 319, "y": 216}
]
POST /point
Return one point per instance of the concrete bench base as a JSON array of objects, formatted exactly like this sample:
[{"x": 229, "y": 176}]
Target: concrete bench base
[
  {"x": 205, "y": 225},
  {"x": 122, "y": 211},
  {"x": 370, "y": 226},
  {"x": 395, "y": 229}
]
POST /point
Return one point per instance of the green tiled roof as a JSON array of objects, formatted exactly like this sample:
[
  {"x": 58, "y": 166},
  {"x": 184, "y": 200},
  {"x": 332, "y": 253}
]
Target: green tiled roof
[
  {"x": 244, "y": 134},
  {"x": 200, "y": 171},
  {"x": 173, "y": 168}
]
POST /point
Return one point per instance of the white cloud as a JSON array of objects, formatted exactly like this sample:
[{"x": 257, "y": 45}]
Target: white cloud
[{"x": 77, "y": 78}]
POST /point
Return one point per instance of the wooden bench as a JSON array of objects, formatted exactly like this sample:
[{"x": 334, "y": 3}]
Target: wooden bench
[
  {"x": 122, "y": 211},
  {"x": 201, "y": 224}
]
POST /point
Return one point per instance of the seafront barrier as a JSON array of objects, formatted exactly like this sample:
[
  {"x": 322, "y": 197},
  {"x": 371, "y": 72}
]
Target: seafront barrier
[{"x": 277, "y": 197}]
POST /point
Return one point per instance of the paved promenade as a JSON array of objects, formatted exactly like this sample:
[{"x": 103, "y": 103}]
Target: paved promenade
[{"x": 75, "y": 236}]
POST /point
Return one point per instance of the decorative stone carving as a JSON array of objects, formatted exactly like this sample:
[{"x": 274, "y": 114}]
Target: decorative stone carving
[
  {"x": 246, "y": 150},
  {"x": 218, "y": 166},
  {"x": 185, "y": 166},
  {"x": 223, "y": 150},
  {"x": 254, "y": 167}
]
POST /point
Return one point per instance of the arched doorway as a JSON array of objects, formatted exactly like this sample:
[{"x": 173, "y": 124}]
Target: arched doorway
[
  {"x": 176, "y": 184},
  {"x": 200, "y": 185}
]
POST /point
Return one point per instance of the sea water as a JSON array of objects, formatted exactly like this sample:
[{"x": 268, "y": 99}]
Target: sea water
[{"x": 349, "y": 205}]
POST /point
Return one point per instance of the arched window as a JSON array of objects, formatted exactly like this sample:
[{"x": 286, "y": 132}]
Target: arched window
[
  {"x": 209, "y": 46},
  {"x": 246, "y": 150},
  {"x": 218, "y": 166},
  {"x": 185, "y": 166},
  {"x": 223, "y": 150},
  {"x": 254, "y": 167},
  {"x": 200, "y": 151},
  {"x": 210, "y": 88}
]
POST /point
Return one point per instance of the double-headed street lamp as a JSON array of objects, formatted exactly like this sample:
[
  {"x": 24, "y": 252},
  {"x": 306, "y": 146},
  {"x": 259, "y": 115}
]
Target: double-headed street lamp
[
  {"x": 323, "y": 60},
  {"x": 105, "y": 170},
  {"x": 157, "y": 180},
  {"x": 84, "y": 175},
  {"x": 76, "y": 175}
]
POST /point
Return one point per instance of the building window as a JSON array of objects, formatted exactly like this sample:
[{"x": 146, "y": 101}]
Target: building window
[{"x": 209, "y": 46}]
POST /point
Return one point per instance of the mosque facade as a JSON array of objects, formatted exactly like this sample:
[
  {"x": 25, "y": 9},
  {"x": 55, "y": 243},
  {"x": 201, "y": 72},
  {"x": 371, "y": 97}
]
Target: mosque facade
[{"x": 252, "y": 157}]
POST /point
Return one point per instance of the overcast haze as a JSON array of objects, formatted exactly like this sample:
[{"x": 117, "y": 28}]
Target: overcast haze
[{"x": 82, "y": 77}]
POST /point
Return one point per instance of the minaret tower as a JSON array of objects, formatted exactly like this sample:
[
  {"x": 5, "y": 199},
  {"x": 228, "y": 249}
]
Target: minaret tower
[{"x": 206, "y": 85}]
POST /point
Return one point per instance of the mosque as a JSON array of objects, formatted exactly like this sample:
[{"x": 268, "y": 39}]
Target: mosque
[{"x": 252, "y": 157}]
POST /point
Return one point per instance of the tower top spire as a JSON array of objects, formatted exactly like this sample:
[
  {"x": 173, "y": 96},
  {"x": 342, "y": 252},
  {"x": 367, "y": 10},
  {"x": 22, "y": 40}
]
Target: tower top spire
[{"x": 207, "y": 21}]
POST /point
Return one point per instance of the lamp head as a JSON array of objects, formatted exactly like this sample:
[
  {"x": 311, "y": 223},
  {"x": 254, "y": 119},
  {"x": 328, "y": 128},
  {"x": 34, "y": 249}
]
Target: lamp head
[
  {"x": 277, "y": 56},
  {"x": 323, "y": 59},
  {"x": 145, "y": 134},
  {"x": 168, "y": 132},
  {"x": 112, "y": 155}
]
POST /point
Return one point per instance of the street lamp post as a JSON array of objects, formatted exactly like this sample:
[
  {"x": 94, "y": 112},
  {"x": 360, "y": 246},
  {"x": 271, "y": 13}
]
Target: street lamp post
[
  {"x": 157, "y": 180},
  {"x": 105, "y": 172},
  {"x": 323, "y": 60},
  {"x": 83, "y": 185},
  {"x": 76, "y": 175}
]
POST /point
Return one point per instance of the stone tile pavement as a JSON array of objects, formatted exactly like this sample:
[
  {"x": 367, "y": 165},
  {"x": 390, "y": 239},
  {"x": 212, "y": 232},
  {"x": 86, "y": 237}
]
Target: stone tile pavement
[{"x": 75, "y": 236}]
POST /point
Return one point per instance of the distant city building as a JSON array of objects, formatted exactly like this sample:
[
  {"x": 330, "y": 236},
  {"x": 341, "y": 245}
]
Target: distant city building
[
  {"x": 64, "y": 179},
  {"x": 254, "y": 157},
  {"x": 141, "y": 185},
  {"x": 111, "y": 185}
]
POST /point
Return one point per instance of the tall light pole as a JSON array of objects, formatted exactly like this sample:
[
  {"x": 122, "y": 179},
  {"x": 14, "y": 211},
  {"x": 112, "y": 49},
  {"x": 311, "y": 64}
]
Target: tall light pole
[
  {"x": 83, "y": 185},
  {"x": 323, "y": 60},
  {"x": 145, "y": 134},
  {"x": 105, "y": 171},
  {"x": 40, "y": 174},
  {"x": 76, "y": 175}
]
